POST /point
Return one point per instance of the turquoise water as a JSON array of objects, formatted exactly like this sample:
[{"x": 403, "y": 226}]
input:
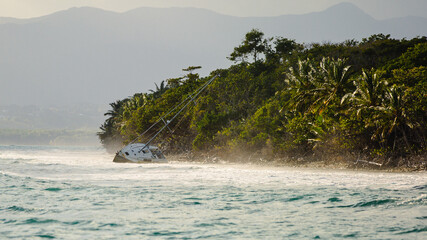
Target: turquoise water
[{"x": 78, "y": 193}]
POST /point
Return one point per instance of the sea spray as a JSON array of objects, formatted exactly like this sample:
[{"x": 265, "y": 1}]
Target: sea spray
[{"x": 64, "y": 192}]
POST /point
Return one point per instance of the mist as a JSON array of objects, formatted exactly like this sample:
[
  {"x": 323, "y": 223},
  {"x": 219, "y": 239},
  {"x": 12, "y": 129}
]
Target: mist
[
  {"x": 61, "y": 71},
  {"x": 379, "y": 9}
]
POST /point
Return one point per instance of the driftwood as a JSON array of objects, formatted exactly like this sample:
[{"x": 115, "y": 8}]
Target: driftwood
[{"x": 368, "y": 162}]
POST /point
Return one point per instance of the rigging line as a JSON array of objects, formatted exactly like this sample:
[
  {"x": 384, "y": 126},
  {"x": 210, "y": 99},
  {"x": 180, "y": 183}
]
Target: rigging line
[
  {"x": 187, "y": 114},
  {"x": 185, "y": 100},
  {"x": 166, "y": 123},
  {"x": 188, "y": 102}
]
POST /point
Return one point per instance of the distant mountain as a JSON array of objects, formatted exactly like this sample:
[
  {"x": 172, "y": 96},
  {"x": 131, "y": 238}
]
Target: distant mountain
[
  {"x": 96, "y": 56},
  {"x": 87, "y": 116},
  {"x": 9, "y": 20}
]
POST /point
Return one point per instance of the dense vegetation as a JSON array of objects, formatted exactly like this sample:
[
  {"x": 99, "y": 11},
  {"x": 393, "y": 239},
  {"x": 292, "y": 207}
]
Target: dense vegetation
[{"x": 279, "y": 99}]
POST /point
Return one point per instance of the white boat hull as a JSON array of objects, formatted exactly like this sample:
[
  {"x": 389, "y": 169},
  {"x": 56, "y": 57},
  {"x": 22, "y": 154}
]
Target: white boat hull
[{"x": 139, "y": 153}]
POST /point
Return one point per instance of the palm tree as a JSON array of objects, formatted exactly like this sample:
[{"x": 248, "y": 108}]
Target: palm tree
[
  {"x": 116, "y": 111},
  {"x": 391, "y": 118},
  {"x": 160, "y": 89},
  {"x": 314, "y": 88},
  {"x": 369, "y": 93},
  {"x": 301, "y": 82},
  {"x": 333, "y": 84},
  {"x": 138, "y": 100},
  {"x": 110, "y": 130}
]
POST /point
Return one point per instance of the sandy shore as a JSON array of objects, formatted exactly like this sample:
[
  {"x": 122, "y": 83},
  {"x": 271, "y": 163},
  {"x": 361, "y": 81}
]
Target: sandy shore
[{"x": 418, "y": 163}]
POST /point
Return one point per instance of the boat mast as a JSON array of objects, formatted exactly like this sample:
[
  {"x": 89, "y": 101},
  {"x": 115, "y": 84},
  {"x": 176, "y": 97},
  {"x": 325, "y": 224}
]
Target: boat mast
[{"x": 189, "y": 100}]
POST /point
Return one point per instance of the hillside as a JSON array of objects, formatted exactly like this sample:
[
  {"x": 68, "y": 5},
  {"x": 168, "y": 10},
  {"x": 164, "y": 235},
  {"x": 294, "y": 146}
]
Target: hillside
[{"x": 341, "y": 103}]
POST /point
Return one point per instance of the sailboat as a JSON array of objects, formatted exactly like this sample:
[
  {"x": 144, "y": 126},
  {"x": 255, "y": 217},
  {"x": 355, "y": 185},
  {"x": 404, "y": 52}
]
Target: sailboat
[{"x": 137, "y": 152}]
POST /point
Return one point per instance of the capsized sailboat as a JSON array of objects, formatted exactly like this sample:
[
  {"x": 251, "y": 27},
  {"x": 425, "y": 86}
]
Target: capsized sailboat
[{"x": 136, "y": 152}]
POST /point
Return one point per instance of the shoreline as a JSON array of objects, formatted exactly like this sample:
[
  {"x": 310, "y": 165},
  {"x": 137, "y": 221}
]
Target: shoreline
[{"x": 305, "y": 163}]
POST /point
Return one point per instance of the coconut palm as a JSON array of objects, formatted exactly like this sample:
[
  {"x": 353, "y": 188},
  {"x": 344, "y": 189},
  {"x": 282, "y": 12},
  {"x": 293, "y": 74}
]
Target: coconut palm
[
  {"x": 135, "y": 102},
  {"x": 314, "y": 88},
  {"x": 301, "y": 82},
  {"x": 391, "y": 119},
  {"x": 160, "y": 89},
  {"x": 369, "y": 93},
  {"x": 110, "y": 130},
  {"x": 116, "y": 111},
  {"x": 333, "y": 82}
]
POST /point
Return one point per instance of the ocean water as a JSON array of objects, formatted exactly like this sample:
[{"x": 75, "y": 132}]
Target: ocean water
[{"x": 79, "y": 193}]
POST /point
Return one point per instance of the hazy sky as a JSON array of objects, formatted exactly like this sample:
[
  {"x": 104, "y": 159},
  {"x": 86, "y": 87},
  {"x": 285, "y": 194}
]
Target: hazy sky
[{"x": 380, "y": 9}]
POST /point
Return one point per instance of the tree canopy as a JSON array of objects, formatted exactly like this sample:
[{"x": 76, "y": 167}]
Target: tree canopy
[{"x": 283, "y": 98}]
